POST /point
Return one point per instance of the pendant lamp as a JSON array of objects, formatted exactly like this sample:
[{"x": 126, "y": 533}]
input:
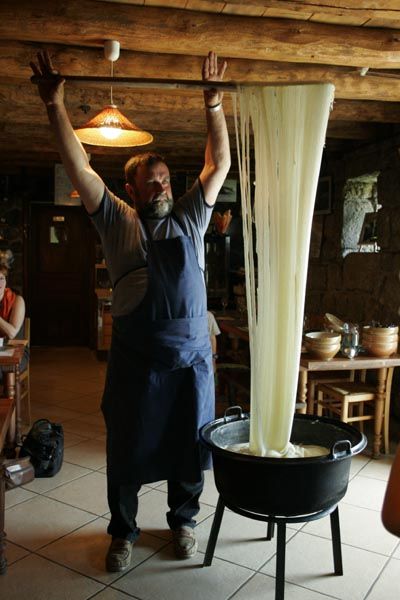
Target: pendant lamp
[{"x": 110, "y": 127}]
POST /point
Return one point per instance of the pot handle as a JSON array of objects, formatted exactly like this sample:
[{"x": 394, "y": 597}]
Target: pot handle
[
  {"x": 337, "y": 452},
  {"x": 236, "y": 410}
]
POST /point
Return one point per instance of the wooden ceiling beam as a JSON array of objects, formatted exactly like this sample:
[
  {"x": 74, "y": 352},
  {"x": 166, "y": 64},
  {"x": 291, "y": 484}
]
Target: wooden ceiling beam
[
  {"x": 15, "y": 57},
  {"x": 181, "y": 112},
  {"x": 160, "y": 30}
]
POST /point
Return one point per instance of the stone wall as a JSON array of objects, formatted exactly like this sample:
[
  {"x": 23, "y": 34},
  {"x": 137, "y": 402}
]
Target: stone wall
[{"x": 361, "y": 286}]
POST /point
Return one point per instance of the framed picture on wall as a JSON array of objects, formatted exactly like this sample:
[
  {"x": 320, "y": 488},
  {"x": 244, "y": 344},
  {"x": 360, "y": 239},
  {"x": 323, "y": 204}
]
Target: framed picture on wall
[{"x": 323, "y": 198}]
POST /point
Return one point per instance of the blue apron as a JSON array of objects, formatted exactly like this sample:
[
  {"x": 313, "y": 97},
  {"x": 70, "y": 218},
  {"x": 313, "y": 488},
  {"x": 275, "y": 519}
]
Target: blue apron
[{"x": 160, "y": 386}]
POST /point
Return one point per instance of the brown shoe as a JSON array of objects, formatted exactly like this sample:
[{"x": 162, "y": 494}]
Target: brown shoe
[
  {"x": 185, "y": 543},
  {"x": 119, "y": 555}
]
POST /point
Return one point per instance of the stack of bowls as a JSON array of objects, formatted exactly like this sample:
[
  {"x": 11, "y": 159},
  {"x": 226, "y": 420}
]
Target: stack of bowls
[
  {"x": 322, "y": 344},
  {"x": 380, "y": 341}
]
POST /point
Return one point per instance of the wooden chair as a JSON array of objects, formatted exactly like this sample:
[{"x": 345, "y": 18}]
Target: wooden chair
[
  {"x": 320, "y": 377},
  {"x": 354, "y": 402},
  {"x": 24, "y": 377}
]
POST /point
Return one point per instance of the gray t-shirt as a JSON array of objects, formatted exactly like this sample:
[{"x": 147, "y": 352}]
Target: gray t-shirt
[{"x": 124, "y": 241}]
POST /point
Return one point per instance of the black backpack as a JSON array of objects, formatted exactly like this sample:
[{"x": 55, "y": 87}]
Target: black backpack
[{"x": 44, "y": 444}]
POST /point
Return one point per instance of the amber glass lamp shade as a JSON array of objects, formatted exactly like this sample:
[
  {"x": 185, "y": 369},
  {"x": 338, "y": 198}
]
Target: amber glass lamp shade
[{"x": 111, "y": 128}]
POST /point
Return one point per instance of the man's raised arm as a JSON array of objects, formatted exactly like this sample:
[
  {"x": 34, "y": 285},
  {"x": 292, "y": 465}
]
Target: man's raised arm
[
  {"x": 217, "y": 155},
  {"x": 51, "y": 90}
]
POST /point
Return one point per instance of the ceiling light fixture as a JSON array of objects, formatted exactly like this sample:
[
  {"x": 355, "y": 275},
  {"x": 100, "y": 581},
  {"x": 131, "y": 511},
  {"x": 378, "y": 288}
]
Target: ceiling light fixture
[{"x": 110, "y": 127}]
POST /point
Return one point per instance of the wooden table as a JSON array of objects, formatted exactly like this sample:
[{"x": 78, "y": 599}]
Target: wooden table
[
  {"x": 10, "y": 361},
  {"x": 382, "y": 366}
]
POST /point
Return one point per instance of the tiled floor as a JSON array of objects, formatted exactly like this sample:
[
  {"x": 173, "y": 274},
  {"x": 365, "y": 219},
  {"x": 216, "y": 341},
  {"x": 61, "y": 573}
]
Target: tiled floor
[{"x": 57, "y": 527}]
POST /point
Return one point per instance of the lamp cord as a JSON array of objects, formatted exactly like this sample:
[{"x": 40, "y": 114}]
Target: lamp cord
[{"x": 112, "y": 75}]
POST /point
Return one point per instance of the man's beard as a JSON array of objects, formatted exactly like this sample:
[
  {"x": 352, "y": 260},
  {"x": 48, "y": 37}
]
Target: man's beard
[{"x": 159, "y": 208}]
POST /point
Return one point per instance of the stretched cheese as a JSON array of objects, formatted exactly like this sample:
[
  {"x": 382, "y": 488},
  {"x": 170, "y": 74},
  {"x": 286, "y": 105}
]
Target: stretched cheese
[{"x": 288, "y": 125}]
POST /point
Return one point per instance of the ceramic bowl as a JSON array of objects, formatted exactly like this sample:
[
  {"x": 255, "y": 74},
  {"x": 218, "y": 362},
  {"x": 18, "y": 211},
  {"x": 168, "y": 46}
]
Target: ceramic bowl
[
  {"x": 322, "y": 338},
  {"x": 323, "y": 353},
  {"x": 380, "y": 331},
  {"x": 334, "y": 323},
  {"x": 383, "y": 350}
]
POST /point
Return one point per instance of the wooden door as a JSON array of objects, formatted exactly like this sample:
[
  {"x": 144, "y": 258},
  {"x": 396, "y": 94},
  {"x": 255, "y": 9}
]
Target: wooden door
[{"x": 61, "y": 275}]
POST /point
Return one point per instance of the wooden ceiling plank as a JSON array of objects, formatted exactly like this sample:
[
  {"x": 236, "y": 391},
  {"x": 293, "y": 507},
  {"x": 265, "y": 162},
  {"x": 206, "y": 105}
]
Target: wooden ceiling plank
[
  {"x": 384, "y": 9},
  {"x": 242, "y": 9},
  {"x": 156, "y": 30},
  {"x": 339, "y": 19}
]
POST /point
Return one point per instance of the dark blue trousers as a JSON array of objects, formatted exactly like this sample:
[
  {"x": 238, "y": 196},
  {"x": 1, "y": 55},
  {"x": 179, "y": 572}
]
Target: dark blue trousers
[{"x": 183, "y": 501}]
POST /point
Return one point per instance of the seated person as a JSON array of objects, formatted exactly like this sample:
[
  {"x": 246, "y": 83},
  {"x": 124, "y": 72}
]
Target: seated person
[
  {"x": 12, "y": 314},
  {"x": 213, "y": 331}
]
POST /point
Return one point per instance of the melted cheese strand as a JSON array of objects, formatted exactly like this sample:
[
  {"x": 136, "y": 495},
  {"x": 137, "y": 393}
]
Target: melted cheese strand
[{"x": 289, "y": 126}]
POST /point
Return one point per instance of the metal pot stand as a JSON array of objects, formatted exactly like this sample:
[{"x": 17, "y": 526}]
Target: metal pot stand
[{"x": 281, "y": 522}]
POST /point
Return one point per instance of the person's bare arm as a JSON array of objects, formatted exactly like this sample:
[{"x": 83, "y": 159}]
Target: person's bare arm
[
  {"x": 391, "y": 502},
  {"x": 217, "y": 155},
  {"x": 51, "y": 90},
  {"x": 11, "y": 328}
]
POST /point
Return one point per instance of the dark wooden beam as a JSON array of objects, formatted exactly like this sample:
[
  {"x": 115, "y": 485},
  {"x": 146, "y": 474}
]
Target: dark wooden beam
[{"x": 155, "y": 30}]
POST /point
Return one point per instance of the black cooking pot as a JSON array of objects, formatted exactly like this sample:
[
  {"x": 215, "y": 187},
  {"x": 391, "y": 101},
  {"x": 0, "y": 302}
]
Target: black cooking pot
[{"x": 285, "y": 487}]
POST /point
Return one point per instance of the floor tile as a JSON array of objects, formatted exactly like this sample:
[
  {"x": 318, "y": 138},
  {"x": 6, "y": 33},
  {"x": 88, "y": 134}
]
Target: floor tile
[
  {"x": 42, "y": 520},
  {"x": 87, "y": 430},
  {"x": 85, "y": 404},
  {"x": 88, "y": 493},
  {"x": 14, "y": 553},
  {"x": 240, "y": 540},
  {"x": 309, "y": 564},
  {"x": 90, "y": 454},
  {"x": 95, "y": 419},
  {"x": 387, "y": 587},
  {"x": 84, "y": 386},
  {"x": 152, "y": 510},
  {"x": 357, "y": 463},
  {"x": 68, "y": 472},
  {"x": 35, "y": 578},
  {"x": 17, "y": 495},
  {"x": 71, "y": 439},
  {"x": 365, "y": 492},
  {"x": 378, "y": 469},
  {"x": 262, "y": 587},
  {"x": 85, "y": 549},
  {"x": 158, "y": 577},
  {"x": 110, "y": 594},
  {"x": 58, "y": 414},
  {"x": 396, "y": 553},
  {"x": 360, "y": 527}
]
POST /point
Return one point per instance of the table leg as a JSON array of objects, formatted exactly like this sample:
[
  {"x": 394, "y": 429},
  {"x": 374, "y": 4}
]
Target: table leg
[
  {"x": 302, "y": 387},
  {"x": 302, "y": 391},
  {"x": 12, "y": 389},
  {"x": 379, "y": 408}
]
